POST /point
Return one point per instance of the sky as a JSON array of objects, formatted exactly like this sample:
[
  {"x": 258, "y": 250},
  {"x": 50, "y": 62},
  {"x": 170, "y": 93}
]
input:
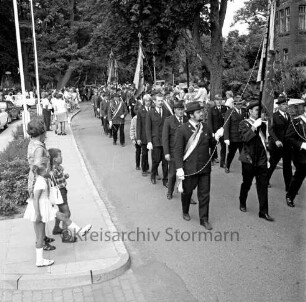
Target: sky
[{"x": 232, "y": 7}]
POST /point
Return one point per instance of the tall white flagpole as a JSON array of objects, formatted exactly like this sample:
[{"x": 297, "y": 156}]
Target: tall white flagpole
[
  {"x": 25, "y": 115},
  {"x": 38, "y": 106}
]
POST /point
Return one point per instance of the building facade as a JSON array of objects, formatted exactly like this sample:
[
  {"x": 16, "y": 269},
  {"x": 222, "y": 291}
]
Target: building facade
[{"x": 291, "y": 29}]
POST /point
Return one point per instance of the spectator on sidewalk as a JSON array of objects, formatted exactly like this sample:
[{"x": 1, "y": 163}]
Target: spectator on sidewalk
[
  {"x": 61, "y": 114},
  {"x": 133, "y": 137},
  {"x": 47, "y": 109}
]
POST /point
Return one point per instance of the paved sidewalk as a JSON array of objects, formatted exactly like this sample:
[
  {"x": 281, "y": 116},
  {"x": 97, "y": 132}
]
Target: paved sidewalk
[{"x": 81, "y": 263}]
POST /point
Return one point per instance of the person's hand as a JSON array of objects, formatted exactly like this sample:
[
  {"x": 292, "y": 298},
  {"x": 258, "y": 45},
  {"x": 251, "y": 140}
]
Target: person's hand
[
  {"x": 220, "y": 132},
  {"x": 167, "y": 157},
  {"x": 227, "y": 142},
  {"x": 38, "y": 217},
  {"x": 122, "y": 116},
  {"x": 180, "y": 173},
  {"x": 139, "y": 142},
  {"x": 149, "y": 146},
  {"x": 303, "y": 146},
  {"x": 279, "y": 144},
  {"x": 110, "y": 124},
  {"x": 257, "y": 123}
]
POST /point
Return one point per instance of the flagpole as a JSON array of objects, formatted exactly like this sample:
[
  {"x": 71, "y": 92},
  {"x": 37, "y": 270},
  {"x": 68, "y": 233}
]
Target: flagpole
[
  {"x": 25, "y": 115},
  {"x": 38, "y": 106}
]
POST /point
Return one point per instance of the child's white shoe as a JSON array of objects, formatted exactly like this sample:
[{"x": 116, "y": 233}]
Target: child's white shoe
[
  {"x": 84, "y": 230},
  {"x": 44, "y": 262}
]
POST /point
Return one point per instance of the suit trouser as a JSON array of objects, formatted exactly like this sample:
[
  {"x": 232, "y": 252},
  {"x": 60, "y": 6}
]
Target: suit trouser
[
  {"x": 137, "y": 155},
  {"x": 222, "y": 151},
  {"x": 144, "y": 158},
  {"x": 276, "y": 155},
  {"x": 202, "y": 181},
  {"x": 171, "y": 176},
  {"x": 157, "y": 157},
  {"x": 106, "y": 126},
  {"x": 297, "y": 180},
  {"x": 232, "y": 148},
  {"x": 115, "y": 129},
  {"x": 47, "y": 118},
  {"x": 261, "y": 174}
]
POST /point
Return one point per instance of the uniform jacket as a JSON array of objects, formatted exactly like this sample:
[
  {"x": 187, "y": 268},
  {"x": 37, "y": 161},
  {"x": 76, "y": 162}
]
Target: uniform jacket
[
  {"x": 199, "y": 156},
  {"x": 141, "y": 124},
  {"x": 170, "y": 126},
  {"x": 115, "y": 117},
  {"x": 296, "y": 139},
  {"x": 253, "y": 151},
  {"x": 215, "y": 118},
  {"x": 154, "y": 126},
  {"x": 231, "y": 126}
]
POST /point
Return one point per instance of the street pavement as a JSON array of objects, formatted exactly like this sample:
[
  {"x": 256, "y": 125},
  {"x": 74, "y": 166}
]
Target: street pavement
[{"x": 265, "y": 263}]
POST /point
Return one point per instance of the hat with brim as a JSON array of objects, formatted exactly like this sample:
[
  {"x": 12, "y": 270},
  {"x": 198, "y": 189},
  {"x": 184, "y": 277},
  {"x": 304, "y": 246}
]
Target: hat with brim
[
  {"x": 281, "y": 99},
  {"x": 193, "y": 106},
  {"x": 179, "y": 104},
  {"x": 252, "y": 104}
]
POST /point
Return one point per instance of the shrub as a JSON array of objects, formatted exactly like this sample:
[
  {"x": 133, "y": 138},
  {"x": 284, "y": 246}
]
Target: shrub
[{"x": 15, "y": 149}]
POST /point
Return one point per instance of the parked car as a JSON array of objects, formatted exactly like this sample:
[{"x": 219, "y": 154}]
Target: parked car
[
  {"x": 17, "y": 99},
  {"x": 3, "y": 119},
  {"x": 12, "y": 111}
]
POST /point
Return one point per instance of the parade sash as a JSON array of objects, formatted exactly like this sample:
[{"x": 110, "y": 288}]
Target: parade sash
[
  {"x": 193, "y": 142},
  {"x": 168, "y": 107},
  {"x": 117, "y": 110}
]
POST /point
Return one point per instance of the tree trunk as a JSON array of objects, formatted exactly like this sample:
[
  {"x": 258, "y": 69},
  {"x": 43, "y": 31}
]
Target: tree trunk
[
  {"x": 65, "y": 79},
  {"x": 216, "y": 80}
]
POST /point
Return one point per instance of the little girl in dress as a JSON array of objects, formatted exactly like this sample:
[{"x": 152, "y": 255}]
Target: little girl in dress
[{"x": 40, "y": 211}]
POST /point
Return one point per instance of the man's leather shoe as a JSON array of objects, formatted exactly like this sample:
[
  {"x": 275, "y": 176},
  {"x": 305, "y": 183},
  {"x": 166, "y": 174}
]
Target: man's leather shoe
[
  {"x": 114, "y": 143},
  {"x": 192, "y": 201},
  {"x": 226, "y": 169},
  {"x": 144, "y": 173},
  {"x": 206, "y": 225},
  {"x": 266, "y": 216},
  {"x": 186, "y": 216},
  {"x": 137, "y": 168},
  {"x": 242, "y": 209},
  {"x": 158, "y": 177},
  {"x": 169, "y": 195},
  {"x": 222, "y": 165},
  {"x": 165, "y": 183},
  {"x": 290, "y": 202},
  {"x": 153, "y": 181}
]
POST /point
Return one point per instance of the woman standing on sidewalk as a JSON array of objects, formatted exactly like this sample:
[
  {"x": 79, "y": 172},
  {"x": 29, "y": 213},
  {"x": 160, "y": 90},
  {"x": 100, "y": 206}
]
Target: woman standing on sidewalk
[{"x": 60, "y": 111}]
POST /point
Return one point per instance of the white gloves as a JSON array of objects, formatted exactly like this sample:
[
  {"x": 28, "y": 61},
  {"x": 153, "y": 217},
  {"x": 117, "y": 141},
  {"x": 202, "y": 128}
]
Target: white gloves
[
  {"x": 180, "y": 174},
  {"x": 110, "y": 124},
  {"x": 122, "y": 116},
  {"x": 303, "y": 146},
  {"x": 257, "y": 123},
  {"x": 149, "y": 146},
  {"x": 167, "y": 157},
  {"x": 219, "y": 133},
  {"x": 279, "y": 144},
  {"x": 227, "y": 142}
]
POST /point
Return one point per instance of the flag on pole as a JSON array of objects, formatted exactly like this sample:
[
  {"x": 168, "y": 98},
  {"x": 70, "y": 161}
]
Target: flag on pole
[
  {"x": 111, "y": 68},
  {"x": 138, "y": 77}
]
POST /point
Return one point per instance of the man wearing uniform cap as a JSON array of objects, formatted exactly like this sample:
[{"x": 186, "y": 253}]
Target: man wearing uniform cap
[
  {"x": 193, "y": 144},
  {"x": 296, "y": 136},
  {"x": 254, "y": 160},
  {"x": 168, "y": 138},
  {"x": 232, "y": 138},
  {"x": 277, "y": 146}
]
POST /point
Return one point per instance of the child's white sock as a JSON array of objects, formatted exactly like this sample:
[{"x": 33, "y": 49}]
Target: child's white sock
[
  {"x": 39, "y": 256},
  {"x": 74, "y": 228}
]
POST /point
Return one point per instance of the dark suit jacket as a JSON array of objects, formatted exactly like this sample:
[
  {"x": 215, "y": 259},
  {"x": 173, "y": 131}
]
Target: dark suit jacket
[
  {"x": 170, "y": 126},
  {"x": 253, "y": 151},
  {"x": 200, "y": 155},
  {"x": 295, "y": 140},
  {"x": 231, "y": 126},
  {"x": 141, "y": 124},
  {"x": 215, "y": 118},
  {"x": 154, "y": 126},
  {"x": 277, "y": 130}
]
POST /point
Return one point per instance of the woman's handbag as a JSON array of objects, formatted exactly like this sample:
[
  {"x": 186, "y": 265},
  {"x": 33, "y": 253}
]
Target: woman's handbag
[{"x": 55, "y": 195}]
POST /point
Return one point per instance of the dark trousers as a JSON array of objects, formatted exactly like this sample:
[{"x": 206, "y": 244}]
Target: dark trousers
[
  {"x": 171, "y": 176},
  {"x": 47, "y": 118},
  {"x": 105, "y": 125},
  {"x": 297, "y": 180},
  {"x": 232, "y": 148},
  {"x": 202, "y": 181},
  {"x": 222, "y": 151},
  {"x": 137, "y": 155},
  {"x": 157, "y": 157},
  {"x": 144, "y": 158},
  {"x": 261, "y": 175},
  {"x": 276, "y": 155},
  {"x": 115, "y": 129}
]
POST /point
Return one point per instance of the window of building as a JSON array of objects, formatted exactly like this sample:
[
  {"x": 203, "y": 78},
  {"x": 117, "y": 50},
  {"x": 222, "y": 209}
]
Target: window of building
[
  {"x": 281, "y": 21},
  {"x": 285, "y": 54},
  {"x": 287, "y": 19},
  {"x": 302, "y": 17}
]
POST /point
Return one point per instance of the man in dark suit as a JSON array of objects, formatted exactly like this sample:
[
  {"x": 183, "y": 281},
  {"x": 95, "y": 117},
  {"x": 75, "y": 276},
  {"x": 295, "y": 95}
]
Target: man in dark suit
[
  {"x": 141, "y": 132},
  {"x": 232, "y": 138},
  {"x": 278, "y": 147},
  {"x": 193, "y": 143},
  {"x": 154, "y": 128},
  {"x": 171, "y": 124},
  {"x": 215, "y": 121},
  {"x": 296, "y": 137},
  {"x": 254, "y": 160}
]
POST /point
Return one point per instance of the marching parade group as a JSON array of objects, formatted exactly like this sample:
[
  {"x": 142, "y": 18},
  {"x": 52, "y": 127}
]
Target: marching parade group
[{"x": 183, "y": 134}]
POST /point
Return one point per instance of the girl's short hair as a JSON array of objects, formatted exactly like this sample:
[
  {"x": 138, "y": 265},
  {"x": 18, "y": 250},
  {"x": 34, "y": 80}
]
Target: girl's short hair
[
  {"x": 53, "y": 152},
  {"x": 40, "y": 166},
  {"x": 36, "y": 127}
]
